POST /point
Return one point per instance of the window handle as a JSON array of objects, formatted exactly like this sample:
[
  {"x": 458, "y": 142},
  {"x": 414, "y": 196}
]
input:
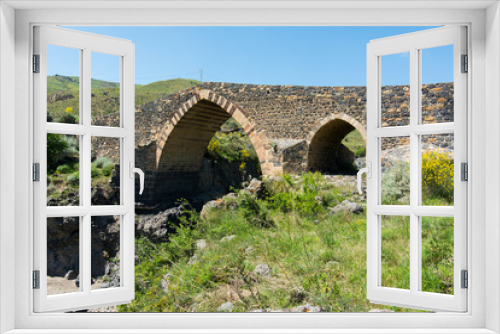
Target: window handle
[
  {"x": 368, "y": 171},
  {"x": 139, "y": 171}
]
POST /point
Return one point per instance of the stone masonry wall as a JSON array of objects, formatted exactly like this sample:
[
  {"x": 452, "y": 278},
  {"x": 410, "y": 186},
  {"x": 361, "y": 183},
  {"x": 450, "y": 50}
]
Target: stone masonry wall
[{"x": 284, "y": 113}]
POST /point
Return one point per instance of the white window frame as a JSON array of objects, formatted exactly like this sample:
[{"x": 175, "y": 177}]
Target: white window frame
[
  {"x": 86, "y": 44},
  {"x": 484, "y": 103},
  {"x": 414, "y": 44}
]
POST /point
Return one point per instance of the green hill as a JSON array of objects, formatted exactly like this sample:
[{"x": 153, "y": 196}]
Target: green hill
[
  {"x": 63, "y": 95},
  {"x": 60, "y": 83}
]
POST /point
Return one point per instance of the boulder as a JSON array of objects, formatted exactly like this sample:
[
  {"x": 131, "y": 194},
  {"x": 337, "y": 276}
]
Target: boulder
[
  {"x": 157, "y": 227},
  {"x": 347, "y": 206},
  {"x": 226, "y": 307},
  {"x": 262, "y": 269}
]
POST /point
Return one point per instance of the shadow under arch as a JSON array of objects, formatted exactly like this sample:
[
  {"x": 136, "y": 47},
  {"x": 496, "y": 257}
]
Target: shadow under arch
[
  {"x": 326, "y": 152},
  {"x": 185, "y": 137}
]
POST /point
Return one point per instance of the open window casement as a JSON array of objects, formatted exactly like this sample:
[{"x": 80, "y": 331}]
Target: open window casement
[
  {"x": 414, "y": 136},
  {"x": 78, "y": 131}
]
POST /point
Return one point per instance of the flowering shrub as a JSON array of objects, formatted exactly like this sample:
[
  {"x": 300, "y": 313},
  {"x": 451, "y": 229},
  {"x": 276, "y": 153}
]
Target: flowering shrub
[{"x": 438, "y": 174}]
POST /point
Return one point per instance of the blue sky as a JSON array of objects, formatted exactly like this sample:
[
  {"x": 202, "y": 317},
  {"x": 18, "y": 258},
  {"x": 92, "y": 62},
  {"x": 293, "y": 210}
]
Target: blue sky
[{"x": 318, "y": 56}]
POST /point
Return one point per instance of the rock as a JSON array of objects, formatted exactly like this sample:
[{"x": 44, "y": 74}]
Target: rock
[
  {"x": 316, "y": 222},
  {"x": 71, "y": 275},
  {"x": 211, "y": 205},
  {"x": 348, "y": 206},
  {"x": 193, "y": 259},
  {"x": 226, "y": 307},
  {"x": 255, "y": 188},
  {"x": 318, "y": 198},
  {"x": 231, "y": 196},
  {"x": 156, "y": 228},
  {"x": 332, "y": 264},
  {"x": 376, "y": 310},
  {"x": 201, "y": 244},
  {"x": 306, "y": 308},
  {"x": 165, "y": 282},
  {"x": 262, "y": 269},
  {"x": 249, "y": 250},
  {"x": 228, "y": 238}
]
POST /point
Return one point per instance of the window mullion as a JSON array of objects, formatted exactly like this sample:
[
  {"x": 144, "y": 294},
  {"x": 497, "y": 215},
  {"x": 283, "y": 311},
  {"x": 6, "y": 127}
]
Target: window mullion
[
  {"x": 414, "y": 171},
  {"x": 85, "y": 171}
]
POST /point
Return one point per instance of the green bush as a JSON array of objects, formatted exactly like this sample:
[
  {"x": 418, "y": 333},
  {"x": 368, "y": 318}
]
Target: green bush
[
  {"x": 56, "y": 149},
  {"x": 73, "y": 178},
  {"x": 438, "y": 174},
  {"x": 107, "y": 168},
  {"x": 396, "y": 184},
  {"x": 64, "y": 169},
  {"x": 360, "y": 152},
  {"x": 101, "y": 161},
  {"x": 94, "y": 172},
  {"x": 67, "y": 118}
]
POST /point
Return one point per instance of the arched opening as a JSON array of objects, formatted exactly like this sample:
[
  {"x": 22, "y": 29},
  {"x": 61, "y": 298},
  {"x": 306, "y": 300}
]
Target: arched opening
[
  {"x": 335, "y": 146},
  {"x": 190, "y": 165}
]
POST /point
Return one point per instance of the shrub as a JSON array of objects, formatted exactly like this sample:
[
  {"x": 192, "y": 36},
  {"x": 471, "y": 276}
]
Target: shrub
[
  {"x": 67, "y": 118},
  {"x": 107, "y": 168},
  {"x": 101, "y": 161},
  {"x": 94, "y": 172},
  {"x": 64, "y": 169},
  {"x": 73, "y": 178},
  {"x": 396, "y": 184},
  {"x": 360, "y": 152},
  {"x": 438, "y": 174},
  {"x": 56, "y": 148}
]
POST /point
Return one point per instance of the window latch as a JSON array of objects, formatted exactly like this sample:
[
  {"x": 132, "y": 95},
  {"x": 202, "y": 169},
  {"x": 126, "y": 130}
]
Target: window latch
[
  {"x": 139, "y": 171},
  {"x": 368, "y": 171}
]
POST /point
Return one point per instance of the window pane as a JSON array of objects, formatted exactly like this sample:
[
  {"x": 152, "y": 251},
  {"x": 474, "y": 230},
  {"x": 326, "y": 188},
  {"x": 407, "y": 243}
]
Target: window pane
[
  {"x": 63, "y": 255},
  {"x": 105, "y": 89},
  {"x": 395, "y": 251},
  {"x": 437, "y": 254},
  {"x": 437, "y": 169},
  {"x": 63, "y": 84},
  {"x": 437, "y": 84},
  {"x": 63, "y": 170},
  {"x": 395, "y": 99},
  {"x": 105, "y": 250},
  {"x": 105, "y": 171},
  {"x": 395, "y": 167}
]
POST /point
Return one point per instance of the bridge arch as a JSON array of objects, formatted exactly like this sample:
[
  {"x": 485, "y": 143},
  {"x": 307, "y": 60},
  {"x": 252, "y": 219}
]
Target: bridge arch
[
  {"x": 325, "y": 151},
  {"x": 186, "y": 135}
]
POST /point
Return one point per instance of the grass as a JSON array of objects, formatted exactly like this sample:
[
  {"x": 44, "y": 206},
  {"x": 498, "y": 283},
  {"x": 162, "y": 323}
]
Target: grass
[
  {"x": 315, "y": 257},
  {"x": 354, "y": 141}
]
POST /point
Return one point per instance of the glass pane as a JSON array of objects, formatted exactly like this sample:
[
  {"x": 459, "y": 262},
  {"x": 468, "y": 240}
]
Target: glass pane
[
  {"x": 437, "y": 84},
  {"x": 105, "y": 171},
  {"x": 395, "y": 167},
  {"x": 63, "y": 255},
  {"x": 437, "y": 169},
  {"x": 105, "y": 252},
  {"x": 63, "y": 84},
  {"x": 437, "y": 254},
  {"x": 395, "y": 99},
  {"x": 395, "y": 251},
  {"x": 105, "y": 89},
  {"x": 63, "y": 170}
]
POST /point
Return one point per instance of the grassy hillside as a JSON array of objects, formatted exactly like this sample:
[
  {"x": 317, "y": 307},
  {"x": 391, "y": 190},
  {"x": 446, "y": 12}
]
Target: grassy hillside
[{"x": 63, "y": 96}]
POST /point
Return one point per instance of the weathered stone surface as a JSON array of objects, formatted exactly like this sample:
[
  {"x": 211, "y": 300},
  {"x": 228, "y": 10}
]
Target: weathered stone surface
[
  {"x": 262, "y": 269},
  {"x": 347, "y": 206},
  {"x": 292, "y": 128},
  {"x": 226, "y": 307},
  {"x": 157, "y": 227}
]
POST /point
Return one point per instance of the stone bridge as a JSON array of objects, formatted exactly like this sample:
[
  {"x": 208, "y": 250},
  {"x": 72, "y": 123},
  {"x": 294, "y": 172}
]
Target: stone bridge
[{"x": 293, "y": 129}]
